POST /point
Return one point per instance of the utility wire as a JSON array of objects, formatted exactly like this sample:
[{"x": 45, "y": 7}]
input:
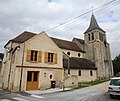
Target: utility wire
[
  {"x": 97, "y": 13},
  {"x": 74, "y": 19}
]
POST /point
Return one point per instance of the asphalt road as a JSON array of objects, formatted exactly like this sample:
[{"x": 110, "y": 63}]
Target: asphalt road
[{"x": 76, "y": 95}]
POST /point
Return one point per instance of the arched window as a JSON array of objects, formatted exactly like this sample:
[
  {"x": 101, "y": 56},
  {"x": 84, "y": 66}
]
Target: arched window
[
  {"x": 89, "y": 37},
  {"x": 79, "y": 72},
  {"x": 50, "y": 76},
  {"x": 91, "y": 73},
  {"x": 92, "y": 36}
]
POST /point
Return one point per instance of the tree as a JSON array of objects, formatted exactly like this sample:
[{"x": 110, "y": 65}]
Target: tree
[
  {"x": 116, "y": 64},
  {"x": 1, "y": 56}
]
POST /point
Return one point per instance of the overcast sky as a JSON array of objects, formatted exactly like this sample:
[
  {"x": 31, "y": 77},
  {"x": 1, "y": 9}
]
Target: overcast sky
[{"x": 17, "y": 16}]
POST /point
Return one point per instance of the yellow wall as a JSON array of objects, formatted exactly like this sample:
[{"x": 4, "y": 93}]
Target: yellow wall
[{"x": 41, "y": 42}]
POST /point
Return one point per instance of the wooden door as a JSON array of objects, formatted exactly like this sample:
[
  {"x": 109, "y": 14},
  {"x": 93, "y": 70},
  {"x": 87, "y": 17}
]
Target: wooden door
[{"x": 32, "y": 80}]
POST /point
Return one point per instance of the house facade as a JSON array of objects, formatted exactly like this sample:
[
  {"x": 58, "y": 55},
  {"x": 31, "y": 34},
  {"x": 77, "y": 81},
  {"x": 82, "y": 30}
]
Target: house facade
[{"x": 37, "y": 61}]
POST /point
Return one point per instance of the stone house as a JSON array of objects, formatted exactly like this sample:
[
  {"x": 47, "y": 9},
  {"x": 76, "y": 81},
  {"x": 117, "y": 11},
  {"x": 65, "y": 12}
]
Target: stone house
[{"x": 37, "y": 61}]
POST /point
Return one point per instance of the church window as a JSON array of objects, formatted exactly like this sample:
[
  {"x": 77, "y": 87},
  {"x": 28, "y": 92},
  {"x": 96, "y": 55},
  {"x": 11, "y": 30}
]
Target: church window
[
  {"x": 92, "y": 36},
  {"x": 89, "y": 37},
  {"x": 78, "y": 54},
  {"x": 79, "y": 72},
  {"x": 50, "y": 76},
  {"x": 91, "y": 73},
  {"x": 68, "y": 53},
  {"x": 100, "y": 37}
]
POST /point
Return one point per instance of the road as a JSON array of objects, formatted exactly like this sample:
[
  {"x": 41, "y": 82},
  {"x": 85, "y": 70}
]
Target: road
[{"x": 75, "y": 95}]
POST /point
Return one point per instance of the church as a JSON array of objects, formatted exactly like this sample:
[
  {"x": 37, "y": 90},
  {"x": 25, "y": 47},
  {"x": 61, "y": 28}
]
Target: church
[{"x": 37, "y": 61}]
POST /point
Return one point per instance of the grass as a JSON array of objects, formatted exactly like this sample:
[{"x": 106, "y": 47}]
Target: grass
[{"x": 87, "y": 84}]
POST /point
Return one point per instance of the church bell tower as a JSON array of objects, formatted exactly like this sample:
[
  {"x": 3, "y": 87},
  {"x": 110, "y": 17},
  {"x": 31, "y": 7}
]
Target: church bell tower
[{"x": 98, "y": 50}]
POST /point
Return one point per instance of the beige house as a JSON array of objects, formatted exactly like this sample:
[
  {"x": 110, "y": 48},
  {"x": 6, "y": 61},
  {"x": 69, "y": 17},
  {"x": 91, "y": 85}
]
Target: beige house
[{"x": 38, "y": 61}]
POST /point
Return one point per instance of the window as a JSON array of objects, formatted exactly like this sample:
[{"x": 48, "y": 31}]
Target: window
[
  {"x": 35, "y": 77},
  {"x": 68, "y": 53},
  {"x": 33, "y": 55},
  {"x": 79, "y": 73},
  {"x": 50, "y": 57},
  {"x": 50, "y": 76},
  {"x": 78, "y": 54},
  {"x": 32, "y": 76},
  {"x": 91, "y": 73},
  {"x": 92, "y": 36},
  {"x": 100, "y": 37},
  {"x": 89, "y": 37},
  {"x": 29, "y": 76}
]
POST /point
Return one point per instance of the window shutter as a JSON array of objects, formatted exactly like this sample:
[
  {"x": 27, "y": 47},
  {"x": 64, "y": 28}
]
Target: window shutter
[
  {"x": 28, "y": 55},
  {"x": 40, "y": 56},
  {"x": 46, "y": 57},
  {"x": 55, "y": 58}
]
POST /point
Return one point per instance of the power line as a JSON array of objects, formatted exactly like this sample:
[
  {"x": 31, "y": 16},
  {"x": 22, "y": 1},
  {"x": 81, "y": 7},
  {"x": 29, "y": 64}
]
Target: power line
[
  {"x": 74, "y": 19},
  {"x": 98, "y": 12}
]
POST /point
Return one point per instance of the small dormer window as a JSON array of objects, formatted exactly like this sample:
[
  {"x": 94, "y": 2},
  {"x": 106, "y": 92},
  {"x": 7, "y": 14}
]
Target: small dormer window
[{"x": 68, "y": 53}]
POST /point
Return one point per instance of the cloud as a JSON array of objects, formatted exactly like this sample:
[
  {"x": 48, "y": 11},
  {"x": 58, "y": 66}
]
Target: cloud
[{"x": 38, "y": 15}]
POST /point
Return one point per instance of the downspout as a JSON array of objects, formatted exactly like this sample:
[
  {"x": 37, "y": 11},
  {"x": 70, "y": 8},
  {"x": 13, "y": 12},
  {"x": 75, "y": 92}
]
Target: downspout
[
  {"x": 22, "y": 68},
  {"x": 10, "y": 67},
  {"x": 68, "y": 66}
]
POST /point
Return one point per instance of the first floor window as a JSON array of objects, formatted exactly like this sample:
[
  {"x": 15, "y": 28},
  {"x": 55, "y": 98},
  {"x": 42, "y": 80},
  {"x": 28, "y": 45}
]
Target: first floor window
[
  {"x": 50, "y": 57},
  {"x": 33, "y": 55}
]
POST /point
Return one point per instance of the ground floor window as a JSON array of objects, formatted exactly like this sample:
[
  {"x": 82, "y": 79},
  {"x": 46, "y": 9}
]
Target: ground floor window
[
  {"x": 91, "y": 73},
  {"x": 79, "y": 72}
]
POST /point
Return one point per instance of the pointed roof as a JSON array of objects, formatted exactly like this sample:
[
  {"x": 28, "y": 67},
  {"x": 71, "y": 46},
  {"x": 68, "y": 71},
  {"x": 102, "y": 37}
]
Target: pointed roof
[{"x": 93, "y": 25}]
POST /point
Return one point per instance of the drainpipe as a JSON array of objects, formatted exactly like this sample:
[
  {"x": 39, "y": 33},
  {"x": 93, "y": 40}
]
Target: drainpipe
[
  {"x": 22, "y": 68},
  {"x": 68, "y": 66},
  {"x": 10, "y": 67}
]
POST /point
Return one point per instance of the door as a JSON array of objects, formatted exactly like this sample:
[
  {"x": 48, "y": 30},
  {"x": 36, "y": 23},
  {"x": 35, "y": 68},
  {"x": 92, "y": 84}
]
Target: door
[
  {"x": 53, "y": 83},
  {"x": 32, "y": 80}
]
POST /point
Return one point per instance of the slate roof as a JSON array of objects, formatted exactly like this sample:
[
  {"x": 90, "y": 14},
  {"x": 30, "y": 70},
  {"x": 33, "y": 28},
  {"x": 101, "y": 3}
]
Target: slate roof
[
  {"x": 79, "y": 63},
  {"x": 60, "y": 43},
  {"x": 93, "y": 25},
  {"x": 67, "y": 44},
  {"x": 22, "y": 37},
  {"x": 80, "y": 40}
]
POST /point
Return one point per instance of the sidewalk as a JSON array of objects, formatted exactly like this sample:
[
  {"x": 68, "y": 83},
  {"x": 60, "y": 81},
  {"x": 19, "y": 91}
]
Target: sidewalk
[
  {"x": 4, "y": 91},
  {"x": 53, "y": 90}
]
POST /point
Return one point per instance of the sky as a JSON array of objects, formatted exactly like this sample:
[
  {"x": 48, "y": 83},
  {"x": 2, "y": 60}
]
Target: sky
[{"x": 17, "y": 16}]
